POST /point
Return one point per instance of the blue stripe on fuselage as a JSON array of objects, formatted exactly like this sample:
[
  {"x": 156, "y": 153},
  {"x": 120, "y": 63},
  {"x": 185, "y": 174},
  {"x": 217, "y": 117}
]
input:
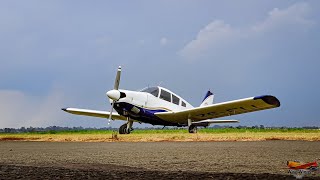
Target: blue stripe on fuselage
[{"x": 144, "y": 115}]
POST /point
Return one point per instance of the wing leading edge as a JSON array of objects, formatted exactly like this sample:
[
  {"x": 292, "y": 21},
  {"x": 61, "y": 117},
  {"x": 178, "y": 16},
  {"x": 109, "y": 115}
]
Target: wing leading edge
[
  {"x": 94, "y": 113},
  {"x": 222, "y": 109}
]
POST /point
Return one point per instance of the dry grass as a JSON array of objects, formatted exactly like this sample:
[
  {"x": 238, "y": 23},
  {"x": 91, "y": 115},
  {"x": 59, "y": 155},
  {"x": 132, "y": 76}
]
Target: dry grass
[{"x": 158, "y": 137}]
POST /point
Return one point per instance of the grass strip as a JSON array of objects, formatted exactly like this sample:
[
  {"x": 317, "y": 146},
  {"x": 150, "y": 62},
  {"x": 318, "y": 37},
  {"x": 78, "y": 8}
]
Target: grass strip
[{"x": 226, "y": 134}]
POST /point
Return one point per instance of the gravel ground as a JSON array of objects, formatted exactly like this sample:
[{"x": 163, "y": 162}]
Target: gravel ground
[{"x": 159, "y": 160}]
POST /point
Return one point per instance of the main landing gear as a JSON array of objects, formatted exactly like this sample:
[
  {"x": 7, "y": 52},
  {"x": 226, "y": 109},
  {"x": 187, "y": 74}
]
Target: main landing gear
[
  {"x": 127, "y": 127},
  {"x": 192, "y": 129}
]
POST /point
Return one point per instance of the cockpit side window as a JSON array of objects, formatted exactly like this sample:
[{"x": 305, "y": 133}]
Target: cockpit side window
[
  {"x": 175, "y": 99},
  {"x": 155, "y": 92},
  {"x": 152, "y": 90},
  {"x": 165, "y": 95}
]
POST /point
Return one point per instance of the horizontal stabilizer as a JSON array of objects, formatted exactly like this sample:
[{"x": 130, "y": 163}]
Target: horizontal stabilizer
[{"x": 211, "y": 121}]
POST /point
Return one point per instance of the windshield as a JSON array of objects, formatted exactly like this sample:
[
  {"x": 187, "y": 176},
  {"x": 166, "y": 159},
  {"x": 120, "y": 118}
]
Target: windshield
[{"x": 152, "y": 90}]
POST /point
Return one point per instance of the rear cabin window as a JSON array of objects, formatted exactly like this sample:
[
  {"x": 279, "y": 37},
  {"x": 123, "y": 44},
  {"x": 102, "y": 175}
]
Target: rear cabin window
[
  {"x": 165, "y": 95},
  {"x": 183, "y": 104},
  {"x": 175, "y": 99}
]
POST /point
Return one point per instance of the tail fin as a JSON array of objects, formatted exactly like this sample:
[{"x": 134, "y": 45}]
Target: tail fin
[{"x": 208, "y": 99}]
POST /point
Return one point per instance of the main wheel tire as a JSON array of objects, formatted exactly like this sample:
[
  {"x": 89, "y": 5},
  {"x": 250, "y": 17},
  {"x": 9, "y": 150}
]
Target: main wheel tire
[
  {"x": 128, "y": 131},
  {"x": 123, "y": 129},
  {"x": 192, "y": 129}
]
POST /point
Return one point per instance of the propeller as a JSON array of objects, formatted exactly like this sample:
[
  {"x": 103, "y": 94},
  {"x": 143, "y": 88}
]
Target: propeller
[{"x": 114, "y": 94}]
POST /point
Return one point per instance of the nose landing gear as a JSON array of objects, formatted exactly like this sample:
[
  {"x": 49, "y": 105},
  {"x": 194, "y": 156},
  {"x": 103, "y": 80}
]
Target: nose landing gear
[
  {"x": 127, "y": 127},
  {"x": 123, "y": 129}
]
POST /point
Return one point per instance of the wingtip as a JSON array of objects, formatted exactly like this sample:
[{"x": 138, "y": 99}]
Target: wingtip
[
  {"x": 64, "y": 109},
  {"x": 272, "y": 100}
]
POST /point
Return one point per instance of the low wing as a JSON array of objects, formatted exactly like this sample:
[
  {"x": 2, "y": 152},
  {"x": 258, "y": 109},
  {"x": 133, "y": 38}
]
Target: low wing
[
  {"x": 221, "y": 109},
  {"x": 94, "y": 113}
]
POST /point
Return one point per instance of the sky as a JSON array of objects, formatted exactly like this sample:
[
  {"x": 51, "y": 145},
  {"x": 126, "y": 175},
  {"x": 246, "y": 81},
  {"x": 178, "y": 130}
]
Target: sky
[{"x": 56, "y": 54}]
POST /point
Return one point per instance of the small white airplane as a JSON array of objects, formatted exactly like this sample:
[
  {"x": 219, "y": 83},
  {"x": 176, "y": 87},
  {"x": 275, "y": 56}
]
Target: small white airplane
[{"x": 160, "y": 106}]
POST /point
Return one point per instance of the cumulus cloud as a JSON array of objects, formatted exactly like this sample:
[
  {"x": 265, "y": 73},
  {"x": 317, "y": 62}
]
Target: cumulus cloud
[
  {"x": 218, "y": 34},
  {"x": 209, "y": 37},
  {"x": 18, "y": 109},
  {"x": 295, "y": 15}
]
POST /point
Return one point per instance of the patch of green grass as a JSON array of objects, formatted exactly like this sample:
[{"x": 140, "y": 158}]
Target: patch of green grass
[
  {"x": 250, "y": 130},
  {"x": 227, "y": 130},
  {"x": 73, "y": 132},
  {"x": 159, "y": 135},
  {"x": 179, "y": 130}
]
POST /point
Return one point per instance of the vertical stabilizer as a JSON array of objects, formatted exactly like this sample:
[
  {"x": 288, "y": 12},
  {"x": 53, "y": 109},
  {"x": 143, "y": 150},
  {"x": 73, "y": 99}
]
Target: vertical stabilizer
[{"x": 208, "y": 99}]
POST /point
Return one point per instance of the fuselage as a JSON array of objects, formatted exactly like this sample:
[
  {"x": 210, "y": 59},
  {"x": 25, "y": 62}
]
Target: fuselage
[{"x": 142, "y": 105}]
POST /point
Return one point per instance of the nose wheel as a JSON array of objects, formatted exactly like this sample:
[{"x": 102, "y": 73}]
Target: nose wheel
[
  {"x": 126, "y": 128},
  {"x": 123, "y": 129}
]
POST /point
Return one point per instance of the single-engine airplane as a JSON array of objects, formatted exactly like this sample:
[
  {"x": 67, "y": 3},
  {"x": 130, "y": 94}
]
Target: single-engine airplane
[{"x": 160, "y": 106}]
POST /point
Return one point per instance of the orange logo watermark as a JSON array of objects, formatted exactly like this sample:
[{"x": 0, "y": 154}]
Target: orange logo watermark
[{"x": 300, "y": 169}]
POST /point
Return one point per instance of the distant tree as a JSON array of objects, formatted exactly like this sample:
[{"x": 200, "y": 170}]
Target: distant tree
[
  {"x": 7, "y": 130},
  {"x": 23, "y": 129}
]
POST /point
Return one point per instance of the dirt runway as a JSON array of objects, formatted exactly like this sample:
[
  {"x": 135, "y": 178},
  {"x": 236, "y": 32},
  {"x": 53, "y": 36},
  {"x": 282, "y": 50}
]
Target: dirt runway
[{"x": 157, "y": 160}]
